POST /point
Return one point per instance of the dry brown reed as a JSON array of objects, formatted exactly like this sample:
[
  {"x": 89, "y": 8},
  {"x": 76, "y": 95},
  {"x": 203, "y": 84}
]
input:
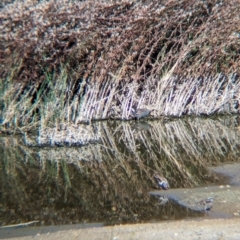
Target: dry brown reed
[
  {"x": 170, "y": 97},
  {"x": 76, "y": 61},
  {"x": 120, "y": 39}
]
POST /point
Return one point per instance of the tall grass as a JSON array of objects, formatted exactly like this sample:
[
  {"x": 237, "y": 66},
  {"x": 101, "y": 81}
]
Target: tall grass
[
  {"x": 56, "y": 103},
  {"x": 76, "y": 61}
]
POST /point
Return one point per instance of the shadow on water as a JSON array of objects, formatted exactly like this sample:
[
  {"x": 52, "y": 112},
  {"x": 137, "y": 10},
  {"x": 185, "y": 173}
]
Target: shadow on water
[{"x": 109, "y": 181}]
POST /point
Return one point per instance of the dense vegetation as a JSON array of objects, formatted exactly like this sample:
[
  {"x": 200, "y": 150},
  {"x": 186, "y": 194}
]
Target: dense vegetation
[{"x": 74, "y": 61}]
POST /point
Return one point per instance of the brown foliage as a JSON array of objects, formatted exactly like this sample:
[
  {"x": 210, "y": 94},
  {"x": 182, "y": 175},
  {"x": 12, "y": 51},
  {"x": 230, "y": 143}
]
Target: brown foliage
[{"x": 123, "y": 39}]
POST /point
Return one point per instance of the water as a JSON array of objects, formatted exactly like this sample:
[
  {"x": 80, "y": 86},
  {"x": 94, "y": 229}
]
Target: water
[{"x": 109, "y": 182}]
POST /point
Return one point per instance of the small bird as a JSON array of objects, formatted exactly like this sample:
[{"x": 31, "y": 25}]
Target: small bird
[
  {"x": 162, "y": 182},
  {"x": 140, "y": 112},
  {"x": 206, "y": 203}
]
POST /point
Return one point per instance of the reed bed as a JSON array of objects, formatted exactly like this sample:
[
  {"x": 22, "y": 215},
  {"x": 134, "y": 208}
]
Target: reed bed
[
  {"x": 76, "y": 61},
  {"x": 168, "y": 97},
  {"x": 68, "y": 62}
]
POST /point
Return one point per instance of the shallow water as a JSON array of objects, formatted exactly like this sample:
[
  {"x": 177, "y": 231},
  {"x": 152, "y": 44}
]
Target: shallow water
[{"x": 109, "y": 182}]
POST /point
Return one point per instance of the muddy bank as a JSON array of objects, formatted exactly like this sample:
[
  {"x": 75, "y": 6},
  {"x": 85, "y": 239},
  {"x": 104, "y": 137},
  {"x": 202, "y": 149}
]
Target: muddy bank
[
  {"x": 226, "y": 198},
  {"x": 231, "y": 171},
  {"x": 187, "y": 229}
]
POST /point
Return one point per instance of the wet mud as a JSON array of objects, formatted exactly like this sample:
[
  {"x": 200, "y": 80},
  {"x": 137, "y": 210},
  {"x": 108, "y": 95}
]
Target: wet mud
[{"x": 216, "y": 201}]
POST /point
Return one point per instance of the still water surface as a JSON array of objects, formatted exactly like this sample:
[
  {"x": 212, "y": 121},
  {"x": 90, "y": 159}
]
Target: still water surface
[{"x": 109, "y": 182}]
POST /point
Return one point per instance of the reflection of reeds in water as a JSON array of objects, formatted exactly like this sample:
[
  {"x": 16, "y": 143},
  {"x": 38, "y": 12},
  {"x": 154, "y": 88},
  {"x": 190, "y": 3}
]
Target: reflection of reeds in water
[
  {"x": 177, "y": 149},
  {"x": 112, "y": 178},
  {"x": 62, "y": 135},
  {"x": 162, "y": 146}
]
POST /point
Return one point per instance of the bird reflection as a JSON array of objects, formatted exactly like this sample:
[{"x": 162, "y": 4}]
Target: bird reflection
[
  {"x": 141, "y": 126},
  {"x": 205, "y": 204}
]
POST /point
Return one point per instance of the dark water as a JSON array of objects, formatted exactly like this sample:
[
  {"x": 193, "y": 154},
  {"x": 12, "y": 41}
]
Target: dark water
[{"x": 109, "y": 182}]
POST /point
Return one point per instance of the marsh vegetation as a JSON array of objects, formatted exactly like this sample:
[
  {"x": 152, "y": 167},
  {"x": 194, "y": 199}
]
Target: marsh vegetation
[
  {"x": 75, "y": 61},
  {"x": 65, "y": 64}
]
